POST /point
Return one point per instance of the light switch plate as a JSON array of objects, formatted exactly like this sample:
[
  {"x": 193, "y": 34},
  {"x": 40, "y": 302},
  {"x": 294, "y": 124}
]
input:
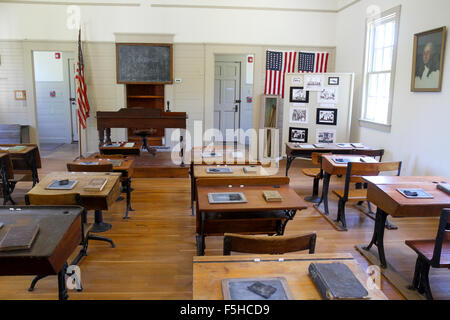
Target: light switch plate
[{"x": 20, "y": 95}]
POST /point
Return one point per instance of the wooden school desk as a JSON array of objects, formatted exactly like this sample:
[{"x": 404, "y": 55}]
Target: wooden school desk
[
  {"x": 125, "y": 168},
  {"x": 199, "y": 172},
  {"x": 296, "y": 150},
  {"x": 209, "y": 271},
  {"x": 26, "y": 158},
  {"x": 58, "y": 237},
  {"x": 382, "y": 191},
  {"x": 257, "y": 216},
  {"x": 330, "y": 168},
  {"x": 90, "y": 200}
]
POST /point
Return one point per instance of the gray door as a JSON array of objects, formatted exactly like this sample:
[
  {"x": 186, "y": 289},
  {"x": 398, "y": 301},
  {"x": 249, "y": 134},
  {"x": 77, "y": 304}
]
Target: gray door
[{"x": 227, "y": 96}]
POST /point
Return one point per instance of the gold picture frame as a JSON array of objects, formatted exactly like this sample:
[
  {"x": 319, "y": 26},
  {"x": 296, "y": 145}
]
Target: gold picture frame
[{"x": 428, "y": 60}]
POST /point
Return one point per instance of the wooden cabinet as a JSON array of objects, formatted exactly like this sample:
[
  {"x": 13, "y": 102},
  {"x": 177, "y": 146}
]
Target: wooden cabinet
[
  {"x": 146, "y": 96},
  {"x": 269, "y": 120}
]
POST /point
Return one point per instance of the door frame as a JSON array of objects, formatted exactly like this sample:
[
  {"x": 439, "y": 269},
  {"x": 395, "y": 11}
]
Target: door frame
[
  {"x": 258, "y": 86},
  {"x": 28, "y": 47}
]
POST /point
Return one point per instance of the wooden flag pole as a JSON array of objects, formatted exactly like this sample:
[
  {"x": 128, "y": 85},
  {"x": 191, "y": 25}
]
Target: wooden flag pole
[{"x": 79, "y": 139}]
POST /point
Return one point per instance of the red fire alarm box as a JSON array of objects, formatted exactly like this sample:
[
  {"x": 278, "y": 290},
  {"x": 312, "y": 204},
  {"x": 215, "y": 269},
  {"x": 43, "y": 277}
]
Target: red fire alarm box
[
  {"x": 250, "y": 60},
  {"x": 57, "y": 55}
]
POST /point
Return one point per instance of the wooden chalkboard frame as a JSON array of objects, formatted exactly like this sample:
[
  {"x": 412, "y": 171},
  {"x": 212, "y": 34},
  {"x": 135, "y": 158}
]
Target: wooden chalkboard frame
[{"x": 170, "y": 45}]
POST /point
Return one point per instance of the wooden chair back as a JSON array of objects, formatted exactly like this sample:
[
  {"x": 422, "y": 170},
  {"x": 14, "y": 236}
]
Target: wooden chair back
[
  {"x": 268, "y": 244},
  {"x": 60, "y": 199},
  {"x": 371, "y": 153},
  {"x": 443, "y": 235},
  {"x": 76, "y": 167},
  {"x": 356, "y": 170}
]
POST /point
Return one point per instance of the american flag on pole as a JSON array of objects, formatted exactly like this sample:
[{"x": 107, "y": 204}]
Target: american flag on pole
[
  {"x": 312, "y": 61},
  {"x": 82, "y": 98},
  {"x": 278, "y": 63}
]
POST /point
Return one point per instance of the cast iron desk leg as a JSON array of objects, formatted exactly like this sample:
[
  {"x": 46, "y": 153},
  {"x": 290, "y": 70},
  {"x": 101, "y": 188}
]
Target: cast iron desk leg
[
  {"x": 378, "y": 236},
  {"x": 62, "y": 289},
  {"x": 289, "y": 160},
  {"x": 326, "y": 185}
]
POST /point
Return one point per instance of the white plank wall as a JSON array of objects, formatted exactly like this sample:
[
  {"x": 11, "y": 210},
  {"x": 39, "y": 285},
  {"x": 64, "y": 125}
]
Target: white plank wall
[{"x": 12, "y": 78}]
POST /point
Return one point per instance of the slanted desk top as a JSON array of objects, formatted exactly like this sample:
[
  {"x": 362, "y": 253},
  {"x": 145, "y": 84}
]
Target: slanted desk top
[
  {"x": 59, "y": 235},
  {"x": 90, "y": 200},
  {"x": 209, "y": 271},
  {"x": 125, "y": 163},
  {"x": 382, "y": 191},
  {"x": 333, "y": 168},
  {"x": 256, "y": 202}
]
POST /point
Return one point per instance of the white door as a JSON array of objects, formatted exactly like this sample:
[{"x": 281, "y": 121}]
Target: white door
[
  {"x": 73, "y": 102},
  {"x": 227, "y": 96}
]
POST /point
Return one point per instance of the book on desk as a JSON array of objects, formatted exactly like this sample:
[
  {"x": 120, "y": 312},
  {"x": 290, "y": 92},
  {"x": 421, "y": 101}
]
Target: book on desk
[
  {"x": 19, "y": 237},
  {"x": 96, "y": 184},
  {"x": 335, "y": 281}
]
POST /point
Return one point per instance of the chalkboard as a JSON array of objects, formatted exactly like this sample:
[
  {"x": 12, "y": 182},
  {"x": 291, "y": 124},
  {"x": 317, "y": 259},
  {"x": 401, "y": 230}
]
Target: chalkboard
[{"x": 144, "y": 63}]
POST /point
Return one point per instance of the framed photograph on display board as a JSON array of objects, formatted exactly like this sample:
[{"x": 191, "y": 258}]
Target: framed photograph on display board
[
  {"x": 328, "y": 95},
  {"x": 326, "y": 116},
  {"x": 299, "y": 115},
  {"x": 333, "y": 81},
  {"x": 325, "y": 136},
  {"x": 428, "y": 60},
  {"x": 299, "y": 95},
  {"x": 299, "y": 135}
]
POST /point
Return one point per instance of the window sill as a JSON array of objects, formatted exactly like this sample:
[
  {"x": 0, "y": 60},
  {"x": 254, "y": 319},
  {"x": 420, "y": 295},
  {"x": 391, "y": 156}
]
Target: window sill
[{"x": 374, "y": 125}]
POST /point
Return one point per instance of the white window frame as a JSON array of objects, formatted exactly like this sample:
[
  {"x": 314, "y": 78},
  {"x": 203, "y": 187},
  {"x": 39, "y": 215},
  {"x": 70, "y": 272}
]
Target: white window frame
[{"x": 389, "y": 15}]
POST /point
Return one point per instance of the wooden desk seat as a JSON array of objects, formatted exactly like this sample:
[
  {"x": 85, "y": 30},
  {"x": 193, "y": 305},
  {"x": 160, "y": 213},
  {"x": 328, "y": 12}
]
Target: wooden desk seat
[
  {"x": 311, "y": 172},
  {"x": 317, "y": 174},
  {"x": 425, "y": 248},
  {"x": 431, "y": 253},
  {"x": 358, "y": 194}
]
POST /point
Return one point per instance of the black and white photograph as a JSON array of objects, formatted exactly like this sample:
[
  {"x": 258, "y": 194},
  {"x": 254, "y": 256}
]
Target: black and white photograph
[
  {"x": 313, "y": 82},
  {"x": 298, "y": 94},
  {"x": 428, "y": 60},
  {"x": 333, "y": 81},
  {"x": 299, "y": 115},
  {"x": 326, "y": 136},
  {"x": 298, "y": 135},
  {"x": 326, "y": 116},
  {"x": 328, "y": 95}
]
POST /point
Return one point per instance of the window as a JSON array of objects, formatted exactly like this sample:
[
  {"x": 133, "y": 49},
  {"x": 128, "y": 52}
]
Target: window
[{"x": 379, "y": 67}]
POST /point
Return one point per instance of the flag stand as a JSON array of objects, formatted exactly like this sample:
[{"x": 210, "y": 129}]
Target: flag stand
[{"x": 79, "y": 141}]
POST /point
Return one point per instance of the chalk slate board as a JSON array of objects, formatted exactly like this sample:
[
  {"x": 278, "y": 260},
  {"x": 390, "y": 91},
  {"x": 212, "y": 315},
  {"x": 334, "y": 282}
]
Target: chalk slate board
[{"x": 144, "y": 63}]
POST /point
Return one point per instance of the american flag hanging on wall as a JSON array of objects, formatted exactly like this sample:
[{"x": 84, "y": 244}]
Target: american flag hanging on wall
[
  {"x": 312, "y": 61},
  {"x": 82, "y": 98},
  {"x": 278, "y": 63}
]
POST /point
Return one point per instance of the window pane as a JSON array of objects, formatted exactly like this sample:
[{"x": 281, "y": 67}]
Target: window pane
[
  {"x": 389, "y": 34},
  {"x": 378, "y": 97},
  {"x": 377, "y": 60},
  {"x": 387, "y": 58},
  {"x": 379, "y": 36}
]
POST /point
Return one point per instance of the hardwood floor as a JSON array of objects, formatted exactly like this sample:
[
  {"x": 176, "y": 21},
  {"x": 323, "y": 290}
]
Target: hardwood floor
[{"x": 154, "y": 249}]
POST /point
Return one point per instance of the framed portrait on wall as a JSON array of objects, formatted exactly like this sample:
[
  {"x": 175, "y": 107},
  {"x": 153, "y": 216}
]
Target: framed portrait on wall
[
  {"x": 299, "y": 135},
  {"x": 428, "y": 60},
  {"x": 298, "y": 115}
]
